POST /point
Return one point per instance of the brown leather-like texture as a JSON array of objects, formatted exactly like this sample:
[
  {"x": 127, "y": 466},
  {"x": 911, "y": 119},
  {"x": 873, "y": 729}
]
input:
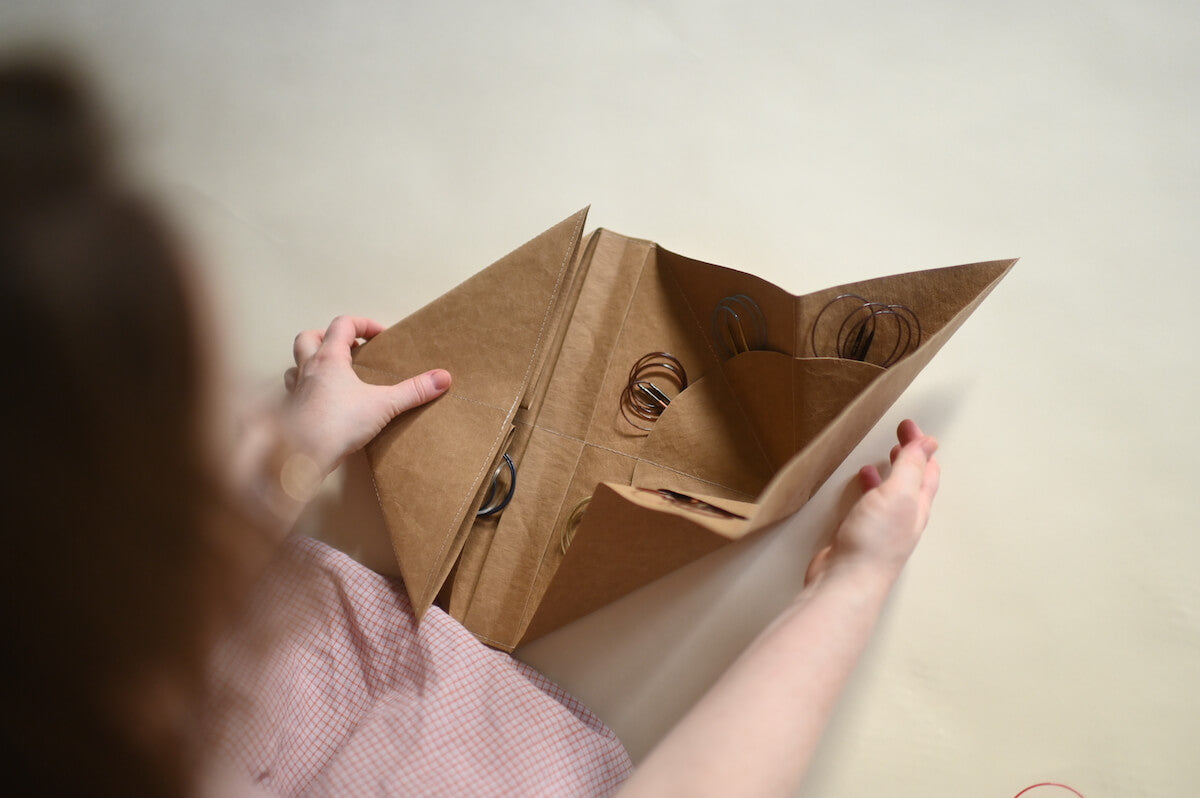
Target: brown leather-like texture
[{"x": 540, "y": 345}]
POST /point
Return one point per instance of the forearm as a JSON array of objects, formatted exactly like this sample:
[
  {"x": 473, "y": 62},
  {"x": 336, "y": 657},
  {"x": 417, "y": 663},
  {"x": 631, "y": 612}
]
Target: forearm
[
  {"x": 755, "y": 731},
  {"x": 275, "y": 478}
]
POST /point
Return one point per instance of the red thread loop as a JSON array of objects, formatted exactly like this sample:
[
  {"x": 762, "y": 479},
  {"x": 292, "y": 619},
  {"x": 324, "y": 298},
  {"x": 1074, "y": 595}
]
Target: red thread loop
[{"x": 1048, "y": 784}]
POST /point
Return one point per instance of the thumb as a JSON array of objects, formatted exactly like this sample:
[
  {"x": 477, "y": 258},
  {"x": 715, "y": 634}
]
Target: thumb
[{"x": 418, "y": 390}]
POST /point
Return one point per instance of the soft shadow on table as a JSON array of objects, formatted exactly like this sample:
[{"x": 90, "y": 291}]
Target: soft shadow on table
[{"x": 347, "y": 516}]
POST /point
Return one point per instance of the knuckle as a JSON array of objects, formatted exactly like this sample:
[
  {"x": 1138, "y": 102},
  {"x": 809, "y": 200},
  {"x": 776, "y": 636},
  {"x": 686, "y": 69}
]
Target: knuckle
[{"x": 420, "y": 391}]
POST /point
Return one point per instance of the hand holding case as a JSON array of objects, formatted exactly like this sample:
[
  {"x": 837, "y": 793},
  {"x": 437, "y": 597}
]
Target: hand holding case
[{"x": 540, "y": 346}]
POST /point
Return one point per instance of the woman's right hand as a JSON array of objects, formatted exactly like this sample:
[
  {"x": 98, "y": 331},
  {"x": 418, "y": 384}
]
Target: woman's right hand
[
  {"x": 329, "y": 411},
  {"x": 885, "y": 524}
]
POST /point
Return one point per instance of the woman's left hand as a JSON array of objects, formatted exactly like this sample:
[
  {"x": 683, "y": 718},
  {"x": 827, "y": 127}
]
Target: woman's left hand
[{"x": 330, "y": 412}]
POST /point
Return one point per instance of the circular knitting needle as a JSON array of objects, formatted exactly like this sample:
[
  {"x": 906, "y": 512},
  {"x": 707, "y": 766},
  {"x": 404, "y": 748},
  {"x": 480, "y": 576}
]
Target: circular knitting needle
[
  {"x": 490, "y": 505},
  {"x": 738, "y": 325},
  {"x": 871, "y": 332},
  {"x": 642, "y": 399}
]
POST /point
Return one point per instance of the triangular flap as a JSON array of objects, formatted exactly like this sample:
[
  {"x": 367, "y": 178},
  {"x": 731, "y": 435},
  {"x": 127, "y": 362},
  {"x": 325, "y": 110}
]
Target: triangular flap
[
  {"x": 622, "y": 545},
  {"x": 935, "y": 296},
  {"x": 428, "y": 483},
  {"x": 956, "y": 288},
  {"x": 488, "y": 332}
]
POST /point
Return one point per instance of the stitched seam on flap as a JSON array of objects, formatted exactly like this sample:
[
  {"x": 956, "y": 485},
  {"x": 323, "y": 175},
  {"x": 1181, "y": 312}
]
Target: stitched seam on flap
[
  {"x": 591, "y": 419},
  {"x": 642, "y": 460},
  {"x": 448, "y": 537},
  {"x": 523, "y": 624},
  {"x": 490, "y": 641},
  {"x": 612, "y": 352}
]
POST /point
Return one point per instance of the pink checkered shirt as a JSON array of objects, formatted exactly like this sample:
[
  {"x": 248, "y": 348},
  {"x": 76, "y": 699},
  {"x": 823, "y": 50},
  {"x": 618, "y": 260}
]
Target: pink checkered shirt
[{"x": 329, "y": 687}]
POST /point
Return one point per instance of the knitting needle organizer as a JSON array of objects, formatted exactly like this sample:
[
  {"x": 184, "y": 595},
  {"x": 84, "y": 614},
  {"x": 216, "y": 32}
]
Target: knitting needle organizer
[{"x": 619, "y": 410}]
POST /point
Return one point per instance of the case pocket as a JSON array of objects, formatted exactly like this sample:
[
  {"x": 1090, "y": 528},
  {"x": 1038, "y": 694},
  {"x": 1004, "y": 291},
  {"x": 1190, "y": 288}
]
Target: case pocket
[
  {"x": 739, "y": 424},
  {"x": 788, "y": 401},
  {"x": 704, "y": 435}
]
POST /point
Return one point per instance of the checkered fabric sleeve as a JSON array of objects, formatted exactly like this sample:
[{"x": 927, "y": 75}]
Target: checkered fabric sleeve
[{"x": 328, "y": 686}]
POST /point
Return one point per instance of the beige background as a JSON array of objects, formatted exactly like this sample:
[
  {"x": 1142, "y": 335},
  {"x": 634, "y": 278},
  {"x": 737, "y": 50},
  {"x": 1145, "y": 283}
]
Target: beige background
[{"x": 337, "y": 157}]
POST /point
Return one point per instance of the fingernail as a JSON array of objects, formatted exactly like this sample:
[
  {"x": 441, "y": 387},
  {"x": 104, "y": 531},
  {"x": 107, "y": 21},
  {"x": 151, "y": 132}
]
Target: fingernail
[
  {"x": 441, "y": 379},
  {"x": 929, "y": 444}
]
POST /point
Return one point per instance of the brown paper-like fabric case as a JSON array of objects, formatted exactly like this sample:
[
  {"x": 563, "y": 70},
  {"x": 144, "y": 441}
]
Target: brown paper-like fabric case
[{"x": 540, "y": 345}]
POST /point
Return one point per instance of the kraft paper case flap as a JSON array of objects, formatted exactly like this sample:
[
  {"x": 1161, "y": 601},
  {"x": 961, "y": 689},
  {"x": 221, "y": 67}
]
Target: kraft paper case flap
[
  {"x": 808, "y": 412},
  {"x": 615, "y": 551},
  {"x": 815, "y": 422},
  {"x": 489, "y": 332},
  {"x": 947, "y": 297},
  {"x": 540, "y": 344}
]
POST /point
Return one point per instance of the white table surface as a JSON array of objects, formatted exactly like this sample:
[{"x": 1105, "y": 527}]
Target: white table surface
[{"x": 365, "y": 157}]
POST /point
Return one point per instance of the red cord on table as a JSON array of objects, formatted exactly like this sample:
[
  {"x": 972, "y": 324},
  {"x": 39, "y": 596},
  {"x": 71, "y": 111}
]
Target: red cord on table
[{"x": 1048, "y": 784}]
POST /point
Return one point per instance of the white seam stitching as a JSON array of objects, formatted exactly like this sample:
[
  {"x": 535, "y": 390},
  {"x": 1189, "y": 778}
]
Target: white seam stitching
[
  {"x": 521, "y": 622},
  {"x": 487, "y": 639},
  {"x": 613, "y": 351},
  {"x": 449, "y": 534},
  {"x": 693, "y": 476}
]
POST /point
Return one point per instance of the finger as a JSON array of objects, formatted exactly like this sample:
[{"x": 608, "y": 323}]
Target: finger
[
  {"x": 930, "y": 445},
  {"x": 371, "y": 329},
  {"x": 869, "y": 478},
  {"x": 929, "y": 486},
  {"x": 290, "y": 377},
  {"x": 908, "y": 431},
  {"x": 306, "y": 345},
  {"x": 418, "y": 390},
  {"x": 344, "y": 330},
  {"x": 908, "y": 472}
]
